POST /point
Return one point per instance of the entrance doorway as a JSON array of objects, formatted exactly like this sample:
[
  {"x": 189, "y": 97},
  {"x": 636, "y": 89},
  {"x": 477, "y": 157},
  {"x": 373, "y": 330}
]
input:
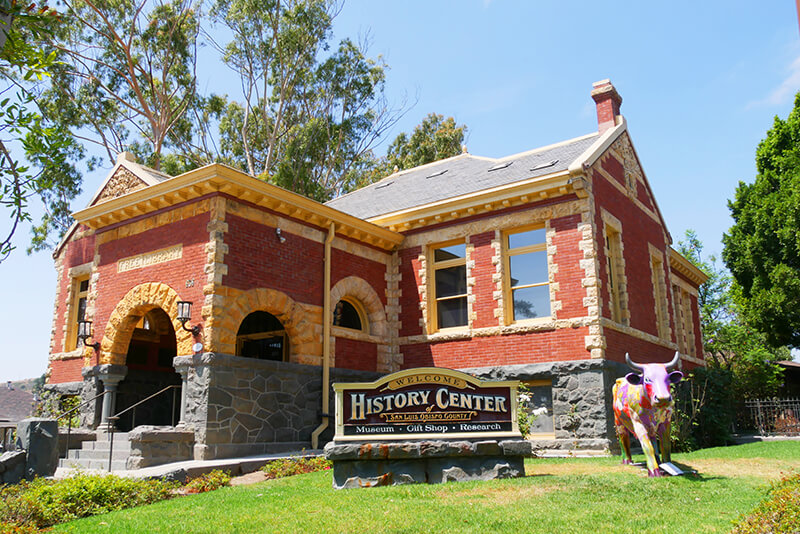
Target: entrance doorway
[{"x": 149, "y": 361}]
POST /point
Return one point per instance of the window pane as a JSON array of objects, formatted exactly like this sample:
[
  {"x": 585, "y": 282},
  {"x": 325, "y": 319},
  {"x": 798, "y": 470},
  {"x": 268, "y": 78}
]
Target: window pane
[
  {"x": 270, "y": 348},
  {"x": 452, "y": 312},
  {"x": 81, "y": 309},
  {"x": 529, "y": 268},
  {"x": 541, "y": 400},
  {"x": 450, "y": 253},
  {"x": 84, "y": 286},
  {"x": 523, "y": 239},
  {"x": 346, "y": 316},
  {"x": 531, "y": 302},
  {"x": 451, "y": 281}
]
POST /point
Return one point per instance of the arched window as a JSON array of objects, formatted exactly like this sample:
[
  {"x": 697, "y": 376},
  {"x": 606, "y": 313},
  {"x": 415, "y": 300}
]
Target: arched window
[
  {"x": 261, "y": 336},
  {"x": 349, "y": 314}
]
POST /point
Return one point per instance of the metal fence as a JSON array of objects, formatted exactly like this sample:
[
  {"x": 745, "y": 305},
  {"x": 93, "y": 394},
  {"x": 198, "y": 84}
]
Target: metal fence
[
  {"x": 7, "y": 436},
  {"x": 775, "y": 416}
]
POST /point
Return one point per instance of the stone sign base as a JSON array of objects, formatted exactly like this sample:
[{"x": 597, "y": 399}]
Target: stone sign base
[{"x": 357, "y": 465}]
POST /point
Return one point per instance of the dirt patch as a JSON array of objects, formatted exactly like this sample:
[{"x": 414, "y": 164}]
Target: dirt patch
[
  {"x": 249, "y": 478},
  {"x": 768, "y": 469}
]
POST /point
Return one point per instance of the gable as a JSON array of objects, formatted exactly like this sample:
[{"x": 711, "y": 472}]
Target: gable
[{"x": 120, "y": 183}]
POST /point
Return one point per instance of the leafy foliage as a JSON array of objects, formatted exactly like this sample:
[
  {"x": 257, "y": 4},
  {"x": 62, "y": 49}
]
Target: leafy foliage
[
  {"x": 732, "y": 343},
  {"x": 762, "y": 248},
  {"x": 46, "y": 175},
  {"x": 704, "y": 409},
  {"x": 435, "y": 138},
  {"x": 779, "y": 513},
  {"x": 42, "y": 503},
  {"x": 210, "y": 481},
  {"x": 52, "y": 404},
  {"x": 286, "y": 467}
]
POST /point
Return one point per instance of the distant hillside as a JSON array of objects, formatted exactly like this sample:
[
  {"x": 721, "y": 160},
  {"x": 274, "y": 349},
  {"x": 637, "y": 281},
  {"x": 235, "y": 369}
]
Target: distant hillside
[{"x": 25, "y": 385}]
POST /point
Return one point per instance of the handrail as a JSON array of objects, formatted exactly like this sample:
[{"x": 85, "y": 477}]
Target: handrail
[
  {"x": 69, "y": 421},
  {"x": 115, "y": 417}
]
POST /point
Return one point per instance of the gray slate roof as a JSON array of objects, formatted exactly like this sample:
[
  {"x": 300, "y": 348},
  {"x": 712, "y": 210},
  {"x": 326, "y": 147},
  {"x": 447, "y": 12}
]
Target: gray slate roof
[{"x": 456, "y": 176}]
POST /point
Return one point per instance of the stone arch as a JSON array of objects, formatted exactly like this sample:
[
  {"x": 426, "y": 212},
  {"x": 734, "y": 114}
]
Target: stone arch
[
  {"x": 358, "y": 288},
  {"x": 302, "y": 323},
  {"x": 137, "y": 302}
]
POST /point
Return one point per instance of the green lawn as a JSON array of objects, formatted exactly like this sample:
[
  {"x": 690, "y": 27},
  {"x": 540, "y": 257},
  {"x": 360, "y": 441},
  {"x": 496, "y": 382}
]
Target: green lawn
[{"x": 559, "y": 495}]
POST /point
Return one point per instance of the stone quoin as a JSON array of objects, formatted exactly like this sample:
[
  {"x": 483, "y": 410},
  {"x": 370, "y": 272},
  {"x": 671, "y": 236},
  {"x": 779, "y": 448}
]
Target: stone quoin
[{"x": 545, "y": 267}]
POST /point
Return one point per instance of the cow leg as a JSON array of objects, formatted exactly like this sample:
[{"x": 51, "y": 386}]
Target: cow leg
[
  {"x": 666, "y": 442},
  {"x": 625, "y": 445},
  {"x": 647, "y": 448}
]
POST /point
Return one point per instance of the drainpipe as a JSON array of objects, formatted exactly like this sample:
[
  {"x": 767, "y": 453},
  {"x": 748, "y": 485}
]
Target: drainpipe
[{"x": 326, "y": 340}]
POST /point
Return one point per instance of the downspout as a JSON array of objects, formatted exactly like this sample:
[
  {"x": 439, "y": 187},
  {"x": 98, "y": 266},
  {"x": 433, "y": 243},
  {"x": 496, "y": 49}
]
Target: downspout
[{"x": 326, "y": 340}]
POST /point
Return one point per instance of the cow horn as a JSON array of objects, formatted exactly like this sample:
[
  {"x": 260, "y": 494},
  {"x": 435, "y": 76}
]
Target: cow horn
[
  {"x": 675, "y": 361},
  {"x": 633, "y": 365}
]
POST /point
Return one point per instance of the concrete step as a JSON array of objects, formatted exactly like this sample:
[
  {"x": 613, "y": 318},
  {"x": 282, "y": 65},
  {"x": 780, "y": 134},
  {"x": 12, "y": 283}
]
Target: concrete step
[
  {"x": 97, "y": 455},
  {"x": 116, "y": 465},
  {"x": 119, "y": 445}
]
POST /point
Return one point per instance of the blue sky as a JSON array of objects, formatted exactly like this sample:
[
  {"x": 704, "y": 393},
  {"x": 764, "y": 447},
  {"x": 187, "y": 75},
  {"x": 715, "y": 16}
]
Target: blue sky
[{"x": 701, "y": 83}]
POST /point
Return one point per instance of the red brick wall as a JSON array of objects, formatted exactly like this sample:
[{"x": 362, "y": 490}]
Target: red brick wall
[
  {"x": 641, "y": 351},
  {"x": 66, "y": 371},
  {"x": 570, "y": 274},
  {"x": 410, "y": 312},
  {"x": 256, "y": 258},
  {"x": 354, "y": 354},
  {"x": 638, "y": 229},
  {"x": 557, "y": 345},
  {"x": 112, "y": 286},
  {"x": 344, "y": 264},
  {"x": 484, "y": 287}
]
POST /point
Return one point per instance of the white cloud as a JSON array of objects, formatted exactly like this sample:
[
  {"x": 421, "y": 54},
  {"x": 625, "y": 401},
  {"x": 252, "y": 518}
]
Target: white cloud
[{"x": 785, "y": 91}]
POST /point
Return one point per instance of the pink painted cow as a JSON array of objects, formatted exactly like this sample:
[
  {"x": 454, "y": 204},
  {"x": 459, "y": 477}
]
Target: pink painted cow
[{"x": 643, "y": 407}]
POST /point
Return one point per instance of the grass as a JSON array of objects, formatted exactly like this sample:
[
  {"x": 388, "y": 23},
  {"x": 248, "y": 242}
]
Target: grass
[{"x": 558, "y": 495}]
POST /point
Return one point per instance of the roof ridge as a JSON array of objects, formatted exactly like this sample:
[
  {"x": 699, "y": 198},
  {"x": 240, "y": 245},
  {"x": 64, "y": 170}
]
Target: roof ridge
[{"x": 549, "y": 147}]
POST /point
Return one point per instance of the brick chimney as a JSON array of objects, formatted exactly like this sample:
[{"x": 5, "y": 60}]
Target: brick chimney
[{"x": 608, "y": 102}]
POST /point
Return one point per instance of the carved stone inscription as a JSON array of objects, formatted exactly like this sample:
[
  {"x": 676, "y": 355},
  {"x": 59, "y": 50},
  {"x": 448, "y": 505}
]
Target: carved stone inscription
[{"x": 150, "y": 258}]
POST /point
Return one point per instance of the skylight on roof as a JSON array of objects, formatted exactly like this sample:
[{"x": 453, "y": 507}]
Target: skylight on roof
[
  {"x": 381, "y": 186},
  {"x": 437, "y": 173},
  {"x": 544, "y": 165},
  {"x": 500, "y": 166}
]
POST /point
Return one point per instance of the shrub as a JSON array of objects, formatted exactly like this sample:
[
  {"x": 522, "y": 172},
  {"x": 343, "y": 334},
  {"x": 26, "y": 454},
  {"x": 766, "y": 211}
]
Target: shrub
[
  {"x": 286, "y": 467},
  {"x": 704, "y": 410},
  {"x": 209, "y": 481},
  {"x": 777, "y": 514},
  {"x": 42, "y": 503}
]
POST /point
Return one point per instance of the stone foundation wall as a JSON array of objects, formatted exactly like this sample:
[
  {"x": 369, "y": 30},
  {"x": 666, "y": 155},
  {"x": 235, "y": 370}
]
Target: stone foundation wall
[
  {"x": 240, "y": 406},
  {"x": 151, "y": 445},
  {"x": 369, "y": 464},
  {"x": 583, "y": 416}
]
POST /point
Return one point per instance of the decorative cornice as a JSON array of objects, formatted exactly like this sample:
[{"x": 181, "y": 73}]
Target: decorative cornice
[
  {"x": 680, "y": 264},
  {"x": 482, "y": 202},
  {"x": 217, "y": 178}
]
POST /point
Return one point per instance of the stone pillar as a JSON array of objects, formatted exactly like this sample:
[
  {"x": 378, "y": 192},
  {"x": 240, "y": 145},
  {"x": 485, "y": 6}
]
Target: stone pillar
[
  {"x": 184, "y": 372},
  {"x": 111, "y": 375}
]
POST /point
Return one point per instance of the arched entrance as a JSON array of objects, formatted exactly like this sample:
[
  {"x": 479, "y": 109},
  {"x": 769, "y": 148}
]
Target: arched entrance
[{"x": 149, "y": 361}]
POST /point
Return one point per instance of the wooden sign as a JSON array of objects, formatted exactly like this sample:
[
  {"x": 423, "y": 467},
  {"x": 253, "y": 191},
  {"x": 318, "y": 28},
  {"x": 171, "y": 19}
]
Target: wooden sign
[{"x": 424, "y": 403}]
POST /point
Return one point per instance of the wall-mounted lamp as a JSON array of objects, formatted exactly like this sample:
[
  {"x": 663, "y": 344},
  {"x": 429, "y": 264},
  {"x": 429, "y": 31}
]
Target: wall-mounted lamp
[
  {"x": 280, "y": 235},
  {"x": 85, "y": 332},
  {"x": 185, "y": 315}
]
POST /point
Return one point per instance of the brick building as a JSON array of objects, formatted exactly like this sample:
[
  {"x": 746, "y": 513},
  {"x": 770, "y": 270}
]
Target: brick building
[{"x": 545, "y": 266}]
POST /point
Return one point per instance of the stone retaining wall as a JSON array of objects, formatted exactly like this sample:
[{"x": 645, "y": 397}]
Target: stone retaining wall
[
  {"x": 583, "y": 416},
  {"x": 241, "y": 406}
]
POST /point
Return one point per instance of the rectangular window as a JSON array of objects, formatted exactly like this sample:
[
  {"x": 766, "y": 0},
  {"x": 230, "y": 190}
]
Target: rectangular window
[
  {"x": 450, "y": 285},
  {"x": 678, "y": 318},
  {"x": 527, "y": 274},
  {"x": 77, "y": 311},
  {"x": 613, "y": 253},
  {"x": 657, "y": 272},
  {"x": 688, "y": 323}
]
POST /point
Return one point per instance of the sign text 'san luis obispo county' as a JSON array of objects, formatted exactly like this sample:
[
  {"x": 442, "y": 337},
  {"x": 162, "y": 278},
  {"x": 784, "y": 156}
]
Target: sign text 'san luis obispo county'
[{"x": 424, "y": 403}]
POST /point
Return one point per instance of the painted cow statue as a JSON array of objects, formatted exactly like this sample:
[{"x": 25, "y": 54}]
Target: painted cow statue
[{"x": 643, "y": 407}]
